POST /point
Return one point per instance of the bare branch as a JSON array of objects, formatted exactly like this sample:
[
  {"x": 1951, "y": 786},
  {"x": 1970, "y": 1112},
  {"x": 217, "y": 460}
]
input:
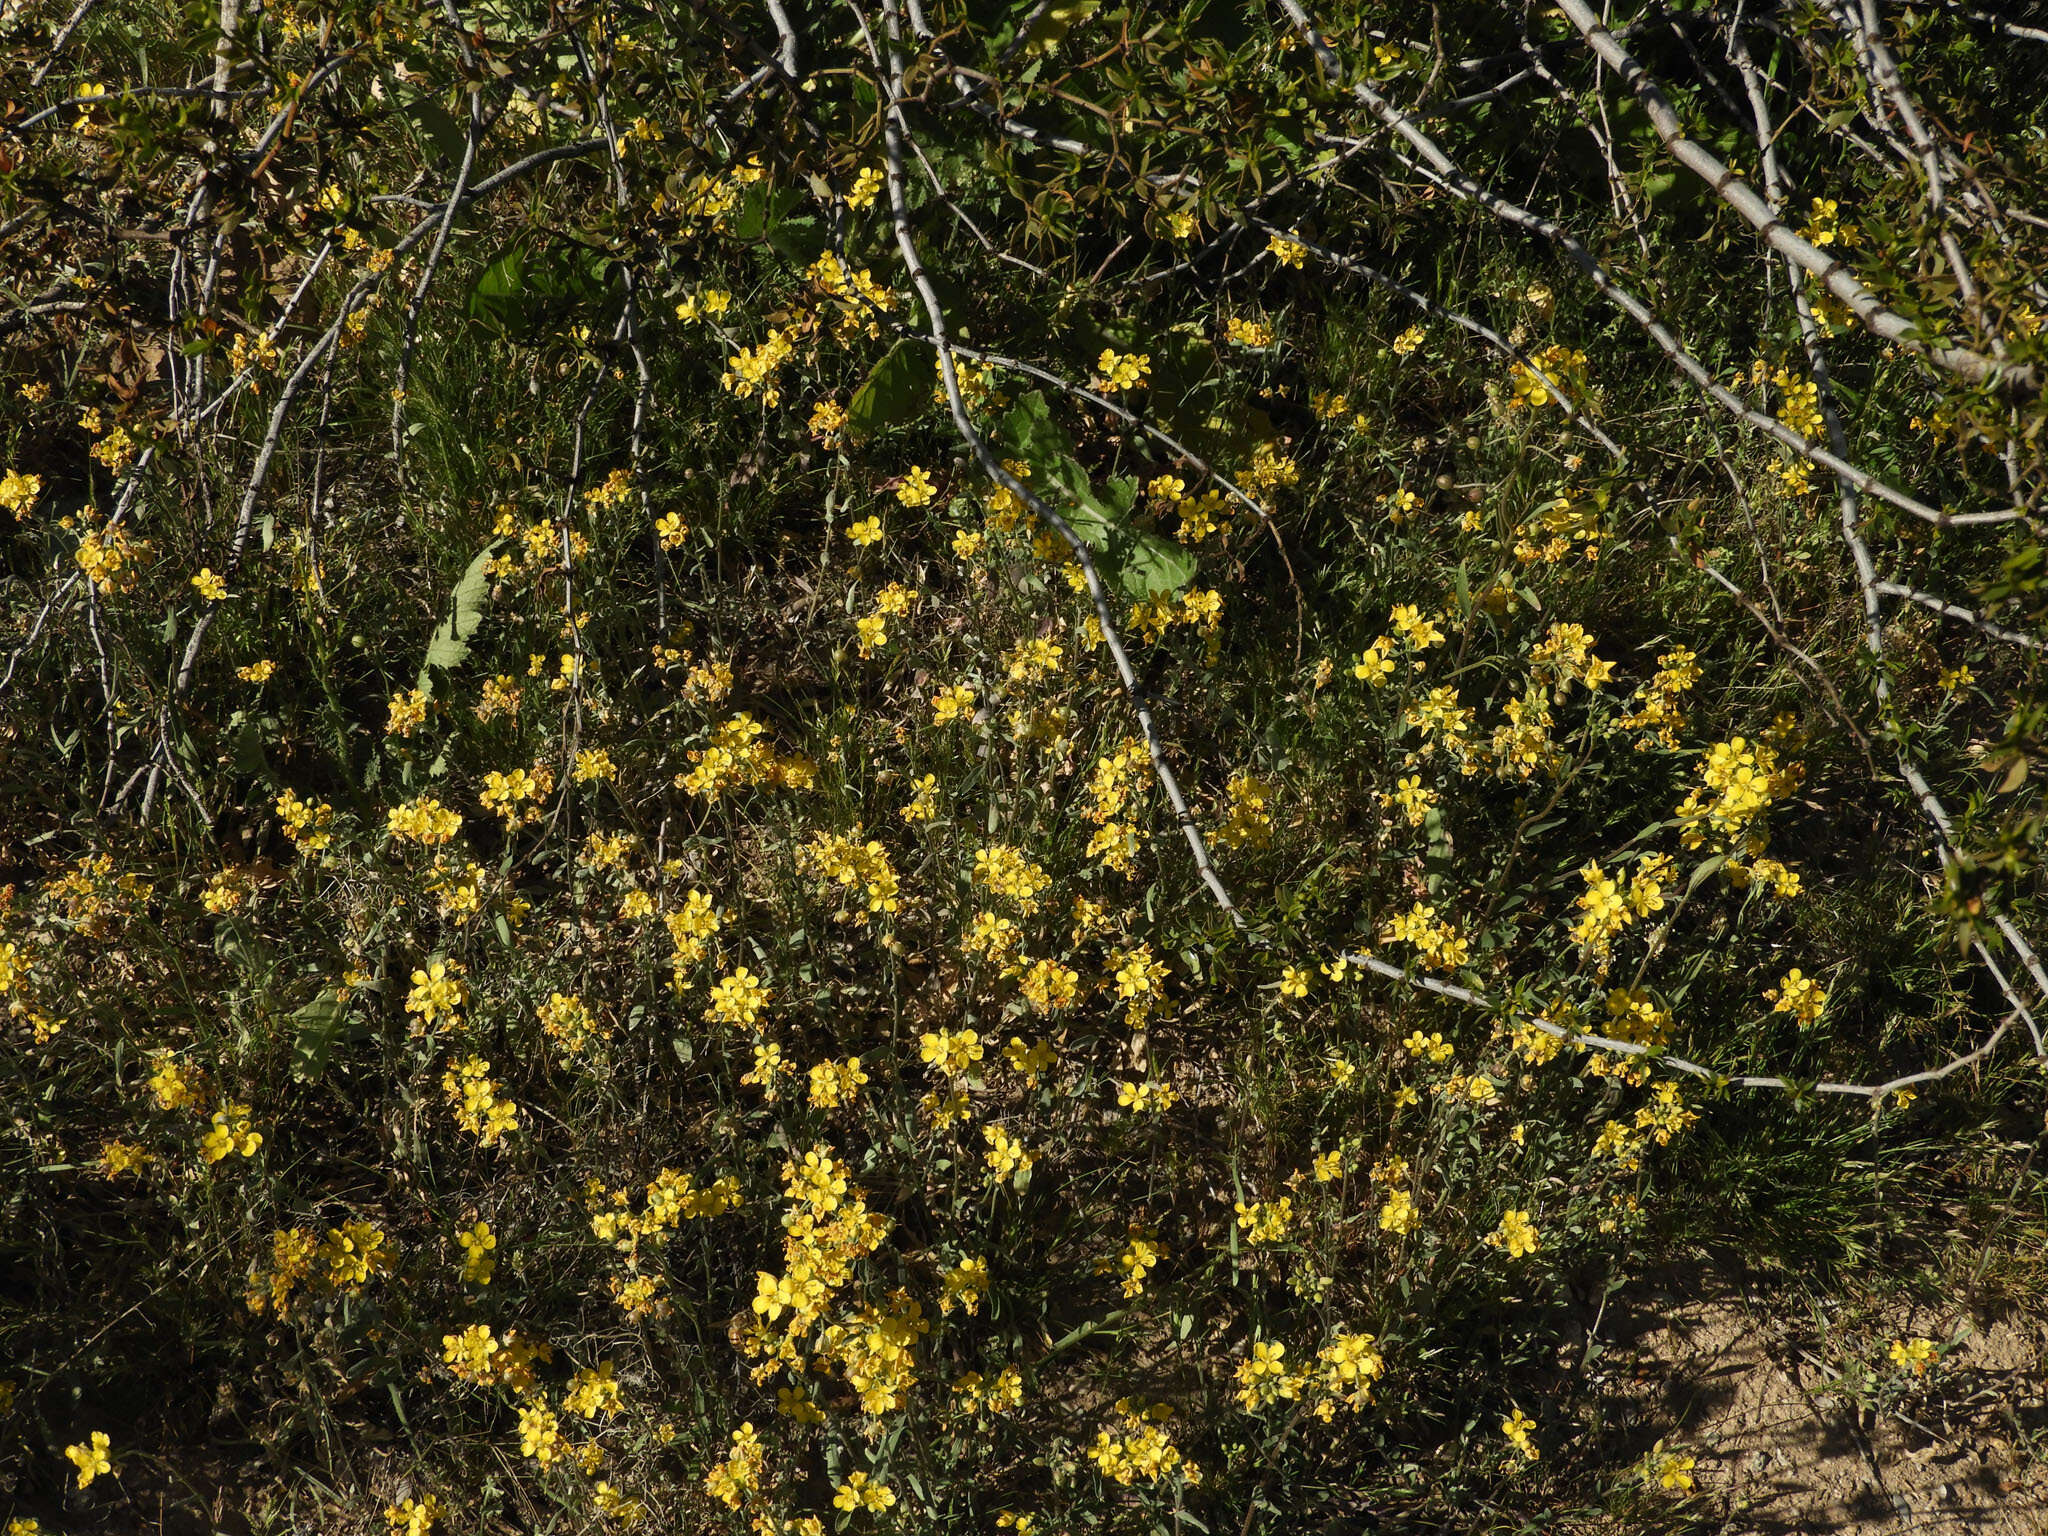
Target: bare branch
[
  {"x": 1782, "y": 238},
  {"x": 894, "y": 129}
]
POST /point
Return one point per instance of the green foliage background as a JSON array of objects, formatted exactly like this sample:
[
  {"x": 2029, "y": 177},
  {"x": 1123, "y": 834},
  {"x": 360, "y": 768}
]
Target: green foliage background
[{"x": 525, "y": 378}]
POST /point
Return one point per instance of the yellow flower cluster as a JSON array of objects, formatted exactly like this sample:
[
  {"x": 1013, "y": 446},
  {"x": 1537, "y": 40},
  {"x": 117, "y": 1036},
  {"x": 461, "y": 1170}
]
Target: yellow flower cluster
[
  {"x": 689, "y": 930},
  {"x": 1558, "y": 526},
  {"x": 1565, "y": 656},
  {"x": 738, "y": 758},
  {"x": 437, "y": 995},
  {"x": 1516, "y": 1234},
  {"x": 752, "y": 370},
  {"x": 1247, "y": 821},
  {"x": 424, "y": 820},
  {"x": 517, "y": 796},
  {"x": 1633, "y": 1015},
  {"x": 1140, "y": 1447},
  {"x": 478, "y": 1108},
  {"x": 1799, "y": 404},
  {"x": 232, "y": 1133},
  {"x": 18, "y": 491},
  {"x": 1555, "y": 366},
  {"x": 1739, "y": 782},
  {"x": 109, "y": 558},
  {"x": 1438, "y": 942},
  {"x": 1266, "y": 1221},
  {"x": 1799, "y": 995},
  {"x": 670, "y": 1198},
  {"x": 1004, "y": 870},
  {"x": 567, "y": 1021},
  {"x": 738, "y": 999},
  {"x": 1607, "y": 906},
  {"x": 1659, "y": 711},
  {"x": 848, "y": 863},
  {"x": 341, "y": 1263},
  {"x": 1115, "y": 371}
]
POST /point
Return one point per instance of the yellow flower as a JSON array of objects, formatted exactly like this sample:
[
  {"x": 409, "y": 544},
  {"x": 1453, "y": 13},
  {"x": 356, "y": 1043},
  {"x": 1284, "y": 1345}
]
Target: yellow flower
[
  {"x": 1142, "y": 1097},
  {"x": 834, "y": 1083},
  {"x": 1006, "y": 1155},
  {"x": 859, "y": 1491},
  {"x": 916, "y": 490},
  {"x": 257, "y": 671},
  {"x": 438, "y": 992},
  {"x": 231, "y": 1134},
  {"x": 738, "y": 999},
  {"x": 1516, "y": 1233},
  {"x": 593, "y": 1391},
  {"x": 425, "y": 820},
  {"x": 477, "y": 1262},
  {"x": 1799, "y": 995},
  {"x": 1029, "y": 1061},
  {"x": 1516, "y": 1428},
  {"x": 1121, "y": 370},
  {"x": 1266, "y": 1221},
  {"x": 1398, "y": 1215},
  {"x": 119, "y": 1157},
  {"x": 210, "y": 586},
  {"x": 90, "y": 1458},
  {"x": 951, "y": 1051},
  {"x": 413, "y": 1517},
  {"x": 19, "y": 491},
  {"x": 1914, "y": 1355},
  {"x": 540, "y": 1433},
  {"x": 865, "y": 532},
  {"x": 950, "y": 704},
  {"x": 1289, "y": 253},
  {"x": 1672, "y": 1469},
  {"x": 406, "y": 712},
  {"x": 1375, "y": 666},
  {"x": 867, "y": 181}
]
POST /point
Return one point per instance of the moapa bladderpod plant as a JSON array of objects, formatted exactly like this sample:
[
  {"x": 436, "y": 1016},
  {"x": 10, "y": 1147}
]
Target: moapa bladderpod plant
[{"x": 1024, "y": 768}]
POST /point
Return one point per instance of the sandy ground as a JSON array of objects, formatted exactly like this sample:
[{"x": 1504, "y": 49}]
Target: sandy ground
[{"x": 1780, "y": 1453}]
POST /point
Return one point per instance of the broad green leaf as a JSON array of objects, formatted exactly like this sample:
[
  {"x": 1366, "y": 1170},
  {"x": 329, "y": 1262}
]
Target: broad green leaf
[
  {"x": 1152, "y": 565},
  {"x": 437, "y": 125},
  {"x": 527, "y": 290},
  {"x": 448, "y": 646},
  {"x": 897, "y": 391},
  {"x": 1029, "y": 431},
  {"x": 316, "y": 1029}
]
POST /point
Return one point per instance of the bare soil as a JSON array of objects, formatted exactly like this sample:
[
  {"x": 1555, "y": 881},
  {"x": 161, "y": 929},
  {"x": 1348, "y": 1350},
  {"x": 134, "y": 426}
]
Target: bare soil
[{"x": 1783, "y": 1451}]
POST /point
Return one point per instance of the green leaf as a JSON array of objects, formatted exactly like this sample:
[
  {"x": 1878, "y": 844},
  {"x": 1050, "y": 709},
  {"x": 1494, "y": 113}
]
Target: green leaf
[
  {"x": 448, "y": 646},
  {"x": 1153, "y": 565},
  {"x": 529, "y": 289},
  {"x": 800, "y": 239},
  {"x": 1029, "y": 431},
  {"x": 437, "y": 125},
  {"x": 897, "y": 391},
  {"x": 317, "y": 1028},
  {"x": 1140, "y": 564},
  {"x": 763, "y": 209}
]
